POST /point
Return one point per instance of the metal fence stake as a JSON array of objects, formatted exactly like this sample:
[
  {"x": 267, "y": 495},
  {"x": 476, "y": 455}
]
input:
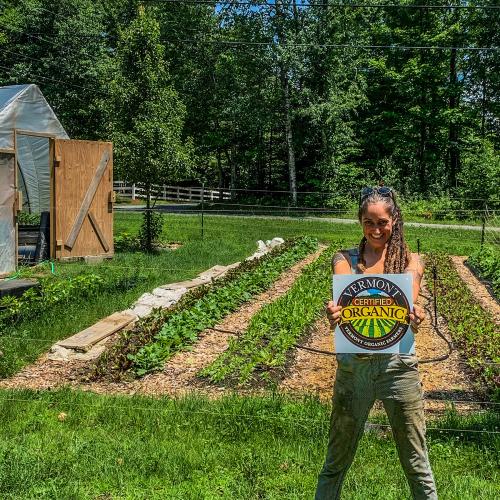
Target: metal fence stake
[
  {"x": 483, "y": 228},
  {"x": 434, "y": 276}
]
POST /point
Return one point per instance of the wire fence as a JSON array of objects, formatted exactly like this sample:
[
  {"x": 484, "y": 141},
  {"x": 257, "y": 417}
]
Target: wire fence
[
  {"x": 449, "y": 403},
  {"x": 236, "y": 415},
  {"x": 226, "y": 201},
  {"x": 489, "y": 232}
]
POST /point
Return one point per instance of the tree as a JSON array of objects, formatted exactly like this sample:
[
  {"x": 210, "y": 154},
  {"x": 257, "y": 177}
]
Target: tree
[
  {"x": 63, "y": 48},
  {"x": 148, "y": 116}
]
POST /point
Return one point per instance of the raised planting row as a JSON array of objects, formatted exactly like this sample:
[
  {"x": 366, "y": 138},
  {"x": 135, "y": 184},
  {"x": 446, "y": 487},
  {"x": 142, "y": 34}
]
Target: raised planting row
[
  {"x": 486, "y": 262},
  {"x": 154, "y": 339},
  {"x": 275, "y": 329},
  {"x": 471, "y": 327}
]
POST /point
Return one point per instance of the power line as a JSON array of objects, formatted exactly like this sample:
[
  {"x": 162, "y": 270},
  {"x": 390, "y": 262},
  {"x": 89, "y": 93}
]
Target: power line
[
  {"x": 66, "y": 84},
  {"x": 301, "y": 45},
  {"x": 305, "y": 5},
  {"x": 37, "y": 36},
  {"x": 332, "y": 45}
]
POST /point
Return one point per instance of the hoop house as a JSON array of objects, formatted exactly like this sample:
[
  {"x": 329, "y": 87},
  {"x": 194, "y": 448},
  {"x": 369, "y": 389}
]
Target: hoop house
[{"x": 43, "y": 172}]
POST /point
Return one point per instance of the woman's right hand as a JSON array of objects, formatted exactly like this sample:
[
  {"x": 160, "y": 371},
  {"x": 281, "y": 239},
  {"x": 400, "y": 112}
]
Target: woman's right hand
[{"x": 333, "y": 313}]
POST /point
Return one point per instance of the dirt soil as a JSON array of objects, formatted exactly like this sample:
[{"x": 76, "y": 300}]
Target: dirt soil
[{"x": 307, "y": 372}]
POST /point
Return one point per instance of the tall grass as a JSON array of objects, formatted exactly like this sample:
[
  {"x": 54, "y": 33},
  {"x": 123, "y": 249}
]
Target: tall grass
[{"x": 81, "y": 446}]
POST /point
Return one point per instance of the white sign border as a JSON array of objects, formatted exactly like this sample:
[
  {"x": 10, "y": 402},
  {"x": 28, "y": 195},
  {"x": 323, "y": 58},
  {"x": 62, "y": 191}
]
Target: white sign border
[{"x": 343, "y": 345}]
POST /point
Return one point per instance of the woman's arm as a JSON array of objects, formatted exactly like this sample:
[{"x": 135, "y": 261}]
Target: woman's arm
[
  {"x": 416, "y": 267},
  {"x": 340, "y": 265}
]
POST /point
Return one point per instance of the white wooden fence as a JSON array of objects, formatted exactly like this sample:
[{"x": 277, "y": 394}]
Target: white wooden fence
[{"x": 171, "y": 193}]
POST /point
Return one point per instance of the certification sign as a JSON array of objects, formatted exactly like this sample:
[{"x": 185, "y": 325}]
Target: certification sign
[{"x": 375, "y": 313}]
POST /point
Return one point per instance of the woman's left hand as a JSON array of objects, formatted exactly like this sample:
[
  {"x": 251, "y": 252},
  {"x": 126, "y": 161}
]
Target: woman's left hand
[{"x": 417, "y": 316}]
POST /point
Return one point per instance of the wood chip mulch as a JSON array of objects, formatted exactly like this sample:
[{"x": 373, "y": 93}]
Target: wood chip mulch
[{"x": 483, "y": 296}]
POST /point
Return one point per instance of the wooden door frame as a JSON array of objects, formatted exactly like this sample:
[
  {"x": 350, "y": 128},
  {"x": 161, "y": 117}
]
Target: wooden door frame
[
  {"x": 50, "y": 137},
  {"x": 53, "y": 208}
]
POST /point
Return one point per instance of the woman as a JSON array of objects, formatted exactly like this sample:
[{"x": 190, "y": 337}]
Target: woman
[{"x": 392, "y": 378}]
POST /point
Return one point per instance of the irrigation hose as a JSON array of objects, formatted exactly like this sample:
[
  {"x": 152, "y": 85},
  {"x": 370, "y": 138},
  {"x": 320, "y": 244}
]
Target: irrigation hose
[
  {"x": 18, "y": 273},
  {"x": 440, "y": 334},
  {"x": 330, "y": 353}
]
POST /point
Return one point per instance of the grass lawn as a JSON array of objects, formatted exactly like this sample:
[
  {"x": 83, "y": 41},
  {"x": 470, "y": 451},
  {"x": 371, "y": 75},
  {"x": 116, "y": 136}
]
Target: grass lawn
[
  {"x": 234, "y": 448},
  {"x": 226, "y": 240}
]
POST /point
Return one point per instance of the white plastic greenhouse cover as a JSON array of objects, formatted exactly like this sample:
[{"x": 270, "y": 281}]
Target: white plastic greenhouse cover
[
  {"x": 7, "y": 227},
  {"x": 34, "y": 172},
  {"x": 23, "y": 108}
]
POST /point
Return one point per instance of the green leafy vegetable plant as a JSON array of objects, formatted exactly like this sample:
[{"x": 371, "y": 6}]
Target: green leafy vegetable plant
[
  {"x": 155, "y": 338},
  {"x": 274, "y": 330},
  {"x": 486, "y": 262}
]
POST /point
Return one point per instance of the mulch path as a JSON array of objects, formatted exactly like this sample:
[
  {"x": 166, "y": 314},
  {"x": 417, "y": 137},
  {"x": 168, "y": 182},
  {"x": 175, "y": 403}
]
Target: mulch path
[{"x": 478, "y": 288}]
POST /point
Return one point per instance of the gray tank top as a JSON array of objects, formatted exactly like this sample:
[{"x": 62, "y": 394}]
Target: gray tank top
[{"x": 354, "y": 256}]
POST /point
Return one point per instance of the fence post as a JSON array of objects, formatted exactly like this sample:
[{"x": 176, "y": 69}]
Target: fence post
[
  {"x": 483, "y": 229},
  {"x": 164, "y": 192},
  {"x": 133, "y": 191},
  {"x": 434, "y": 277},
  {"x": 202, "y": 207},
  {"x": 418, "y": 246}
]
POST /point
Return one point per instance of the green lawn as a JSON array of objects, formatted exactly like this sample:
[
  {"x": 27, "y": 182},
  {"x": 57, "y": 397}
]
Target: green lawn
[{"x": 234, "y": 448}]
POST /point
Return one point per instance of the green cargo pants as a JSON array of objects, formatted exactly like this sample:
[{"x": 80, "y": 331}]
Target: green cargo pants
[{"x": 360, "y": 380}]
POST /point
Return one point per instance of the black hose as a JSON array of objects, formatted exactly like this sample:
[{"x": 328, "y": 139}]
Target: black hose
[{"x": 330, "y": 353}]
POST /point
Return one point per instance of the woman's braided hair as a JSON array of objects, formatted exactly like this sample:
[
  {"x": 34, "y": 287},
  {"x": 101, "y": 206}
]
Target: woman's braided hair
[{"x": 398, "y": 253}]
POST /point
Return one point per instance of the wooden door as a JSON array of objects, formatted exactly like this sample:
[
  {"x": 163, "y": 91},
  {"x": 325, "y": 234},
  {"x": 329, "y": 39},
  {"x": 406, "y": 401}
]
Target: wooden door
[{"x": 82, "y": 199}]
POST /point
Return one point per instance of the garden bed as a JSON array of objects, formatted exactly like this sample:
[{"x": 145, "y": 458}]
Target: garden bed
[
  {"x": 279, "y": 363},
  {"x": 157, "y": 337},
  {"x": 485, "y": 262},
  {"x": 273, "y": 331},
  {"x": 472, "y": 328}
]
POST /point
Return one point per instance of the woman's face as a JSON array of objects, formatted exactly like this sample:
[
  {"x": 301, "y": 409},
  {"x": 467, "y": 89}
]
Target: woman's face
[{"x": 377, "y": 224}]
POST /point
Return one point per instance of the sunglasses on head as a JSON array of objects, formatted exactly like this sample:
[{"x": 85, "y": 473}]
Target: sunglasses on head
[{"x": 381, "y": 190}]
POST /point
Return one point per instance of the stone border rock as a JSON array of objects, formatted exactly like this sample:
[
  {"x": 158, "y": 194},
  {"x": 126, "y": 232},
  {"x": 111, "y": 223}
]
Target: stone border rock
[{"x": 163, "y": 296}]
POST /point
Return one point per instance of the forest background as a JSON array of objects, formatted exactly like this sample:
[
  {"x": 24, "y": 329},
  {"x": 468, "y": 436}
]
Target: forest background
[{"x": 291, "y": 96}]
